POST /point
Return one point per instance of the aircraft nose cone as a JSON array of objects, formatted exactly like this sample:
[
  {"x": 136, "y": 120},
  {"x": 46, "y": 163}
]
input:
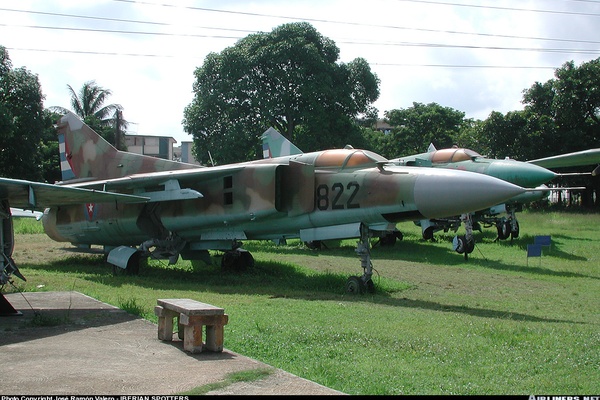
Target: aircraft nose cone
[
  {"x": 520, "y": 173},
  {"x": 445, "y": 193}
]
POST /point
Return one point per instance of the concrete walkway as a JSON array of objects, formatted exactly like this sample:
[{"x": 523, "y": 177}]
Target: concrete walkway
[{"x": 98, "y": 349}]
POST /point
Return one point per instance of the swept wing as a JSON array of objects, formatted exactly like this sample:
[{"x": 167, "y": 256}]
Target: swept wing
[
  {"x": 35, "y": 195},
  {"x": 578, "y": 158}
]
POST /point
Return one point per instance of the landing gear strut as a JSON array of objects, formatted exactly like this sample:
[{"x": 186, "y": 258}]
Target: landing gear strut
[
  {"x": 364, "y": 283},
  {"x": 514, "y": 226},
  {"x": 465, "y": 244},
  {"x": 8, "y": 268}
]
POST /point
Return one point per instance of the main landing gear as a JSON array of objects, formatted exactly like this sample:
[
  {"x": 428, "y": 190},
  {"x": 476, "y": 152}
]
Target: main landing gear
[
  {"x": 237, "y": 260},
  {"x": 508, "y": 227},
  {"x": 364, "y": 283}
]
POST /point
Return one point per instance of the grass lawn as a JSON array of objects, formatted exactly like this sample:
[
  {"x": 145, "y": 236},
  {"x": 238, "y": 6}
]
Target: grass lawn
[{"x": 497, "y": 323}]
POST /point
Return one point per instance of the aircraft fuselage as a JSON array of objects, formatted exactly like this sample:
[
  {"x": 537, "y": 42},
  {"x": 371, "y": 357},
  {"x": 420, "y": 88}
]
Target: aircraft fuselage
[{"x": 278, "y": 198}]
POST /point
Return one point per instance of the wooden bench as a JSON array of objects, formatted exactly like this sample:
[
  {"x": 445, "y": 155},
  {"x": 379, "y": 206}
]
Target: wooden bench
[{"x": 191, "y": 316}]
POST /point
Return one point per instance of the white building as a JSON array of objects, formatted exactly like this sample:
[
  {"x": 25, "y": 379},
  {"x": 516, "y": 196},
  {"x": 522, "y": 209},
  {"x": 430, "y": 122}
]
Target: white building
[{"x": 156, "y": 146}]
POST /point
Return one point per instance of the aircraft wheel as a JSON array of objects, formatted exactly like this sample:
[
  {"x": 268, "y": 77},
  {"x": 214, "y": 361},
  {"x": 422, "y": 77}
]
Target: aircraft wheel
[
  {"x": 313, "y": 245},
  {"x": 470, "y": 246},
  {"x": 133, "y": 266},
  {"x": 514, "y": 232},
  {"x": 354, "y": 285},
  {"x": 237, "y": 260},
  {"x": 388, "y": 239},
  {"x": 118, "y": 271},
  {"x": 459, "y": 244},
  {"x": 428, "y": 233},
  {"x": 503, "y": 229},
  {"x": 246, "y": 258},
  {"x": 370, "y": 286}
]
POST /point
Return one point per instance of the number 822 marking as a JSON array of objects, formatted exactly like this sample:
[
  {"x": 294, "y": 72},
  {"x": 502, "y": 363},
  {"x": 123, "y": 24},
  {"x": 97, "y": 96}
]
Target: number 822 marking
[{"x": 337, "y": 190}]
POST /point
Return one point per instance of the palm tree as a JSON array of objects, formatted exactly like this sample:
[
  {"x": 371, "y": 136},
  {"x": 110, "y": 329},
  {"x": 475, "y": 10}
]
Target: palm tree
[{"x": 89, "y": 105}]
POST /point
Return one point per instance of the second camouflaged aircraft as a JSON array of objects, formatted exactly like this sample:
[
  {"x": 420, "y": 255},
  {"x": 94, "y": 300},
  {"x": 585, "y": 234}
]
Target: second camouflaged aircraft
[{"x": 187, "y": 210}]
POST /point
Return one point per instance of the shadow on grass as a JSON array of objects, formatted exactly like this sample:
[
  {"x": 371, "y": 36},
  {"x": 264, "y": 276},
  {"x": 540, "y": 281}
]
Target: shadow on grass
[
  {"x": 477, "y": 312},
  {"x": 554, "y": 250},
  {"x": 266, "y": 278},
  {"x": 438, "y": 255}
]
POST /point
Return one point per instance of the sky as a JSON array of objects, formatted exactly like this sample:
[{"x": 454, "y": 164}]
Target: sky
[{"x": 475, "y": 56}]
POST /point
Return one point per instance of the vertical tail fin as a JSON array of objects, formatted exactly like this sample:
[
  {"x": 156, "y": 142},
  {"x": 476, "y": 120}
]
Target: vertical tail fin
[
  {"x": 86, "y": 155},
  {"x": 276, "y": 145}
]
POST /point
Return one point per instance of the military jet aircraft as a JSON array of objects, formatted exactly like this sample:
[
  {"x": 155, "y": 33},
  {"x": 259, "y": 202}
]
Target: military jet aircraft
[
  {"x": 137, "y": 206},
  {"x": 531, "y": 174},
  {"x": 517, "y": 172}
]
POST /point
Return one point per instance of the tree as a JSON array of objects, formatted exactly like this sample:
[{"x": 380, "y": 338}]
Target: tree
[
  {"x": 107, "y": 120},
  {"x": 287, "y": 79},
  {"x": 515, "y": 135},
  {"x": 567, "y": 109},
  {"x": 572, "y": 102},
  {"x": 50, "y": 154},
  {"x": 414, "y": 128},
  {"x": 21, "y": 121}
]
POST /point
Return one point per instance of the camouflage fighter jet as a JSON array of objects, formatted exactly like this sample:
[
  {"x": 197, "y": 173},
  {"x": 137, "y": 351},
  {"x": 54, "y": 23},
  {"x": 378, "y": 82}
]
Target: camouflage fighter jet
[
  {"x": 531, "y": 174},
  {"x": 137, "y": 206}
]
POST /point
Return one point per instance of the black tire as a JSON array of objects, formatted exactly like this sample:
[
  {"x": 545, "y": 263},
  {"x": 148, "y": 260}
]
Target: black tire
[
  {"x": 514, "y": 232},
  {"x": 428, "y": 233},
  {"x": 470, "y": 246},
  {"x": 460, "y": 244},
  {"x": 237, "y": 260},
  {"x": 354, "y": 285},
  {"x": 246, "y": 259},
  {"x": 133, "y": 265},
  {"x": 118, "y": 271},
  {"x": 370, "y": 286},
  {"x": 389, "y": 239},
  {"x": 230, "y": 261},
  {"x": 313, "y": 245},
  {"x": 503, "y": 229}
]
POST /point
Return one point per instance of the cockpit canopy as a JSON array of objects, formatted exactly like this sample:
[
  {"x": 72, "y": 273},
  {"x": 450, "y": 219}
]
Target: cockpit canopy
[
  {"x": 347, "y": 158},
  {"x": 453, "y": 155}
]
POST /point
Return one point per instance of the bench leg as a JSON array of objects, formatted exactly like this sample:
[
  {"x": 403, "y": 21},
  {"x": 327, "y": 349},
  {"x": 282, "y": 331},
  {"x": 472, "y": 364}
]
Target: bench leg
[
  {"x": 214, "y": 337},
  {"x": 165, "y": 328},
  {"x": 165, "y": 323},
  {"x": 192, "y": 338}
]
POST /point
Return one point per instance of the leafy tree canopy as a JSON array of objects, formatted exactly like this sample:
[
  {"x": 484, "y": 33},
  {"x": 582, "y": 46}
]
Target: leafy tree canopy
[
  {"x": 569, "y": 106},
  {"x": 21, "y": 121},
  {"x": 287, "y": 79},
  {"x": 414, "y": 128}
]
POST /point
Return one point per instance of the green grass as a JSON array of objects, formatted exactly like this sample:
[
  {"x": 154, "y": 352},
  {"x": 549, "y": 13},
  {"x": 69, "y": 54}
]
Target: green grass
[
  {"x": 27, "y": 225},
  {"x": 234, "y": 377},
  {"x": 496, "y": 323}
]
